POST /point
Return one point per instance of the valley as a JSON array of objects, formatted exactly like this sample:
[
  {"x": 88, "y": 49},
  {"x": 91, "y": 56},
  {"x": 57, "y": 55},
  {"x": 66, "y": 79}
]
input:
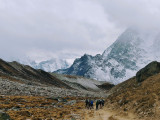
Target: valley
[
  {"x": 26, "y": 95},
  {"x": 79, "y": 60}
]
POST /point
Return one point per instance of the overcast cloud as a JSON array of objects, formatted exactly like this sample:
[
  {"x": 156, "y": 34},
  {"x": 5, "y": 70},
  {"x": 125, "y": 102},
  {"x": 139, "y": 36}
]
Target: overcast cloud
[{"x": 67, "y": 29}]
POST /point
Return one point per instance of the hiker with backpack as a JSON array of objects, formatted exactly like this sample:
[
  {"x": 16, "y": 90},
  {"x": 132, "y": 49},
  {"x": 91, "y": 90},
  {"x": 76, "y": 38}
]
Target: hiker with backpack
[
  {"x": 87, "y": 103},
  {"x": 97, "y": 104},
  {"x": 91, "y": 107},
  {"x": 102, "y": 103},
  {"x": 90, "y": 104}
]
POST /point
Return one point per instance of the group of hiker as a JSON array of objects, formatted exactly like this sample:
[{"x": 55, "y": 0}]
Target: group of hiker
[
  {"x": 89, "y": 104},
  {"x": 99, "y": 104}
]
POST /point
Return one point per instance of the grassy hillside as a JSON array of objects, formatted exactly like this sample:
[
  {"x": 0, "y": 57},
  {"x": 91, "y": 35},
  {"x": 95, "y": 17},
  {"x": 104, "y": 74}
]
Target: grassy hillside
[{"x": 137, "y": 96}]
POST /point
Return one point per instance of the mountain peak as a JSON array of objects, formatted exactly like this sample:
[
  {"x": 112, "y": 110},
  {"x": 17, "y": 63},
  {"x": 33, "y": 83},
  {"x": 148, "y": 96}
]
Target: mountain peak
[{"x": 120, "y": 61}]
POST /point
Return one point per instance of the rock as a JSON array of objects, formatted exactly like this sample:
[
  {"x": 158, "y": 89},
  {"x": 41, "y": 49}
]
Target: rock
[
  {"x": 59, "y": 99},
  {"x": 17, "y": 108},
  {"x": 150, "y": 70},
  {"x": 120, "y": 101},
  {"x": 4, "y": 116},
  {"x": 72, "y": 102},
  {"x": 62, "y": 100},
  {"x": 125, "y": 109}
]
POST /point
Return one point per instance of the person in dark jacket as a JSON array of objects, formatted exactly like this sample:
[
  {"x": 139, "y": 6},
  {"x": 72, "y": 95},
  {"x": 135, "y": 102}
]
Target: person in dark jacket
[
  {"x": 102, "y": 103},
  {"x": 87, "y": 103},
  {"x": 97, "y": 104}
]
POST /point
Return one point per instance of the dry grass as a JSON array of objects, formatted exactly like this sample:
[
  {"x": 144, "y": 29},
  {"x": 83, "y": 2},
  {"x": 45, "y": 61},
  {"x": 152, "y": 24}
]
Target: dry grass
[
  {"x": 37, "y": 108},
  {"x": 140, "y": 98}
]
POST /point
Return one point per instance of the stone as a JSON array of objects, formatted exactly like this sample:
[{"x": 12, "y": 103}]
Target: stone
[
  {"x": 72, "y": 102},
  {"x": 148, "y": 71},
  {"x": 4, "y": 116}
]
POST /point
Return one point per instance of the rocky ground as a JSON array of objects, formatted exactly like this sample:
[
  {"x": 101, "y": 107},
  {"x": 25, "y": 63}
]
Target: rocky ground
[
  {"x": 19, "y": 79},
  {"x": 56, "y": 108},
  {"x": 53, "y": 108},
  {"x": 14, "y": 88},
  {"x": 43, "y": 108}
]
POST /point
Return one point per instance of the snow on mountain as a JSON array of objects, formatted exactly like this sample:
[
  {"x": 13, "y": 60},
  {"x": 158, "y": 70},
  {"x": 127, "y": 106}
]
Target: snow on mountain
[
  {"x": 130, "y": 52},
  {"x": 53, "y": 64},
  {"x": 47, "y": 65}
]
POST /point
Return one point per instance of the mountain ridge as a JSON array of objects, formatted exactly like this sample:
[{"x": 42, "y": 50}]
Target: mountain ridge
[
  {"x": 48, "y": 65},
  {"x": 19, "y": 79},
  {"x": 15, "y": 69},
  {"x": 120, "y": 61}
]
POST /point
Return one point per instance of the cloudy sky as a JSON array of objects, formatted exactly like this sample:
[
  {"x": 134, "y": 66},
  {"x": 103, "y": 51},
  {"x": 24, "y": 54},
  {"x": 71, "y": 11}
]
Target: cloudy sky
[{"x": 42, "y": 29}]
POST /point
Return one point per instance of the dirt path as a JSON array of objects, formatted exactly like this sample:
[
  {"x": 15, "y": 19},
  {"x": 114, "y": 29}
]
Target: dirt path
[{"x": 104, "y": 114}]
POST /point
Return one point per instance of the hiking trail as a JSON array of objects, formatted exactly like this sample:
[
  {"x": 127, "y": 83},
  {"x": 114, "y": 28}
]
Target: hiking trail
[{"x": 104, "y": 114}]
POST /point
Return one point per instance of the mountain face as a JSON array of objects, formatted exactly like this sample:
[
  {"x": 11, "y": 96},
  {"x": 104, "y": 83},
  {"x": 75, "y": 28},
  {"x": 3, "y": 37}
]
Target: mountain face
[
  {"x": 130, "y": 52},
  {"x": 28, "y": 75},
  {"x": 48, "y": 65},
  {"x": 19, "y": 79}
]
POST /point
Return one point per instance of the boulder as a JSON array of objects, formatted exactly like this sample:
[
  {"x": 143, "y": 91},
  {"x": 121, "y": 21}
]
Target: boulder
[
  {"x": 72, "y": 102},
  {"x": 59, "y": 99},
  {"x": 4, "y": 116},
  {"x": 150, "y": 70},
  {"x": 62, "y": 100}
]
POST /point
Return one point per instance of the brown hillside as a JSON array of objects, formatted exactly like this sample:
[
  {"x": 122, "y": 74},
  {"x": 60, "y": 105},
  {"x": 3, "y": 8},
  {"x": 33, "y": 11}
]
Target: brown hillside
[
  {"x": 14, "y": 69},
  {"x": 141, "y": 98}
]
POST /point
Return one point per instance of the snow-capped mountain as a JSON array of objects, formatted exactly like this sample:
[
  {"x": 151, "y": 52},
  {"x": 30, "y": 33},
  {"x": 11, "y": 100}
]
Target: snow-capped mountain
[
  {"x": 52, "y": 65},
  {"x": 47, "y": 65},
  {"x": 130, "y": 52}
]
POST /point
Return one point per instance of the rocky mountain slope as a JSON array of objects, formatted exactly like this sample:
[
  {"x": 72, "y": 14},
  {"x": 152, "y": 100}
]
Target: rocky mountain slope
[
  {"x": 129, "y": 53},
  {"x": 140, "y": 94},
  {"x": 78, "y": 82},
  {"x": 19, "y": 79},
  {"x": 30, "y": 75}
]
